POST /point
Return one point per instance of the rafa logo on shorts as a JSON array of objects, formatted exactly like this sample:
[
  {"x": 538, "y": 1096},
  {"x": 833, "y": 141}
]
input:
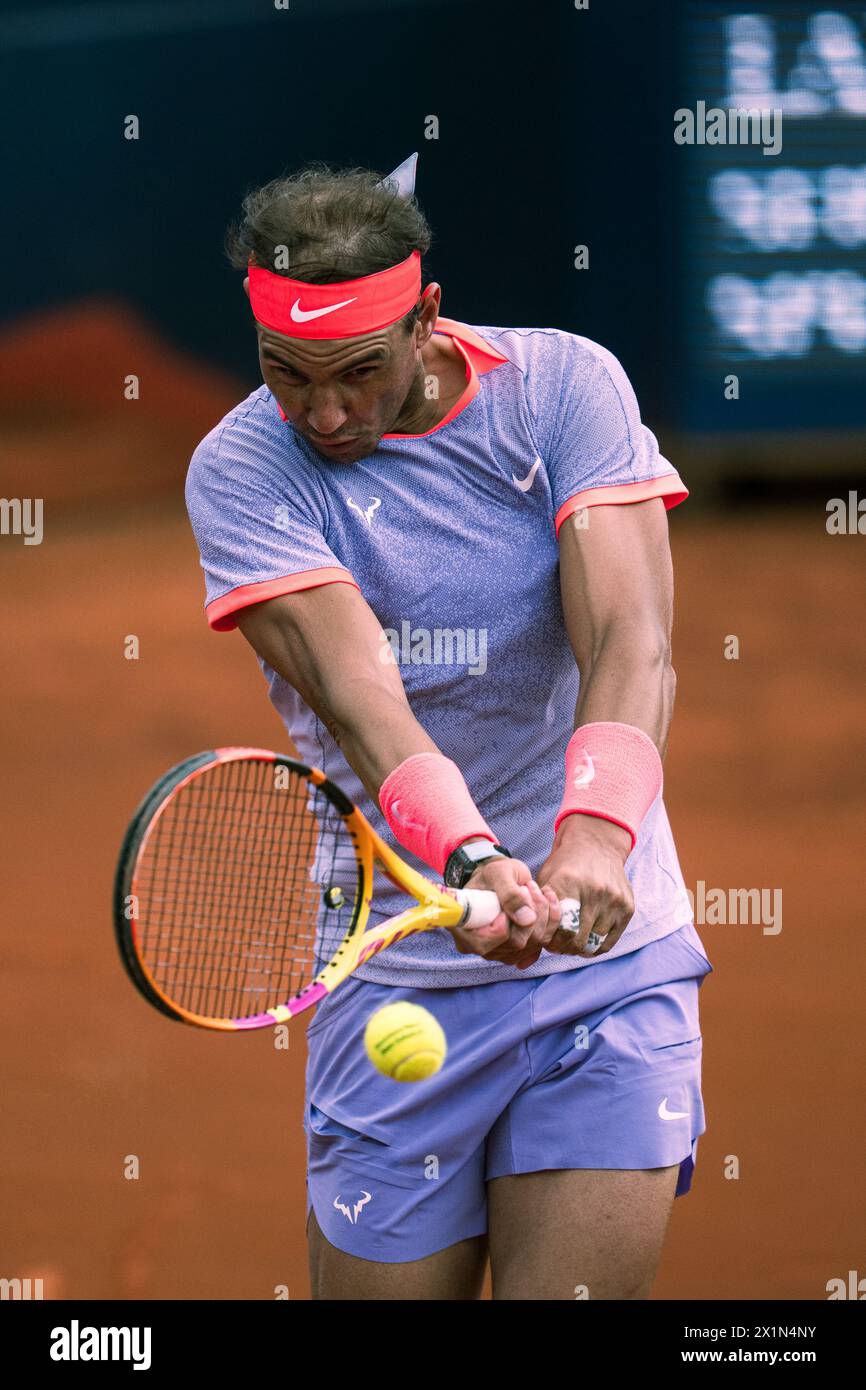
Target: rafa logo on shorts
[{"x": 352, "y": 1216}]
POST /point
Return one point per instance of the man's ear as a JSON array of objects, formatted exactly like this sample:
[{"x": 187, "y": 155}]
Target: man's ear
[
  {"x": 430, "y": 301},
  {"x": 247, "y": 286}
]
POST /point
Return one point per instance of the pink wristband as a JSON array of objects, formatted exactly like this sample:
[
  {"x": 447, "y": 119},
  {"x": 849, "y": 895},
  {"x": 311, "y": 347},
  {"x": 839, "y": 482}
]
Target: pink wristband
[
  {"x": 612, "y": 771},
  {"x": 430, "y": 809}
]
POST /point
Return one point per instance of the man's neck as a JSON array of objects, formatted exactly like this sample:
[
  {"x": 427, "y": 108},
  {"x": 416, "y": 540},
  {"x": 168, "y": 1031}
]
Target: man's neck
[{"x": 440, "y": 363}]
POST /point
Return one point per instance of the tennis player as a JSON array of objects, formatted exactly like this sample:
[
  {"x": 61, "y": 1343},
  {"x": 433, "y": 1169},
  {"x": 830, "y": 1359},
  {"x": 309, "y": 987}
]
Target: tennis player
[{"x": 447, "y": 544}]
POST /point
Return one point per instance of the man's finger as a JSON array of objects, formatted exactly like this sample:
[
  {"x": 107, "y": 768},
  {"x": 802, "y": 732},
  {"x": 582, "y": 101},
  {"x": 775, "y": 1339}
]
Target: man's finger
[
  {"x": 518, "y": 902},
  {"x": 553, "y": 903},
  {"x": 474, "y": 941}
]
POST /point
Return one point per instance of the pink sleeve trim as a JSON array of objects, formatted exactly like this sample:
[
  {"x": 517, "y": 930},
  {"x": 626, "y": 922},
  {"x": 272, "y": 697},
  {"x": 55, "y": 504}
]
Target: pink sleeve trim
[
  {"x": 669, "y": 486},
  {"x": 221, "y": 613}
]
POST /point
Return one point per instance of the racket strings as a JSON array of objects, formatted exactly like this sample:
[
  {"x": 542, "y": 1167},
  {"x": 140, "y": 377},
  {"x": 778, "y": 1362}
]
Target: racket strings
[{"x": 245, "y": 882}]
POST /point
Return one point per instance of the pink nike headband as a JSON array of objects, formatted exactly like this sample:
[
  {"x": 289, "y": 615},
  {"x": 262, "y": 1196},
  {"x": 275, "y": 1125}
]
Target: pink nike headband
[
  {"x": 342, "y": 310},
  {"x": 350, "y": 307}
]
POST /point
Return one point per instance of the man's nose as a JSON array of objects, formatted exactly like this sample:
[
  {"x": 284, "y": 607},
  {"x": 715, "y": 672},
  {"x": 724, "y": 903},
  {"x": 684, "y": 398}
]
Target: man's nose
[{"x": 325, "y": 414}]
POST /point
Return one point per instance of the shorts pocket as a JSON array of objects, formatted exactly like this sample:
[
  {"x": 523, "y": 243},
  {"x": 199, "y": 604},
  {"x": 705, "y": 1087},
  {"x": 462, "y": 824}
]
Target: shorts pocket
[
  {"x": 673, "y": 1047},
  {"x": 675, "y": 1052},
  {"x": 327, "y": 1125},
  {"x": 659, "y": 1031},
  {"x": 342, "y": 1141}
]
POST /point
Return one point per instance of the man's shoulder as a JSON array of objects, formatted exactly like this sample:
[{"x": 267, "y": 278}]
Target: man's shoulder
[
  {"x": 254, "y": 419},
  {"x": 250, "y": 452},
  {"x": 547, "y": 349},
  {"x": 250, "y": 438}
]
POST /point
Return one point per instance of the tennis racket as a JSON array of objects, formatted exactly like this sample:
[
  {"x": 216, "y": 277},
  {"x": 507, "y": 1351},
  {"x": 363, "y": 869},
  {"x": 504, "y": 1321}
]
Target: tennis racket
[{"x": 244, "y": 887}]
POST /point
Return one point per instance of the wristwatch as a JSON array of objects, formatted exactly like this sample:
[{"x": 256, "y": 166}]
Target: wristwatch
[{"x": 465, "y": 859}]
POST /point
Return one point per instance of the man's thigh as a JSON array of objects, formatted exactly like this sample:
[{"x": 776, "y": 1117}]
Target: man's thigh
[
  {"x": 578, "y": 1233},
  {"x": 454, "y": 1273}
]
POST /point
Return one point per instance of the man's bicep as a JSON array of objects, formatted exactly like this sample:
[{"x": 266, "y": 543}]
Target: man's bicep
[{"x": 616, "y": 572}]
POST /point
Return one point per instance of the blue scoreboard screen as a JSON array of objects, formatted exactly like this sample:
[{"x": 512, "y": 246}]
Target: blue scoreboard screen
[{"x": 772, "y": 270}]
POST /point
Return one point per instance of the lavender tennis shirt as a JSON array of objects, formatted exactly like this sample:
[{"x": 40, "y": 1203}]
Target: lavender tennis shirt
[{"x": 451, "y": 538}]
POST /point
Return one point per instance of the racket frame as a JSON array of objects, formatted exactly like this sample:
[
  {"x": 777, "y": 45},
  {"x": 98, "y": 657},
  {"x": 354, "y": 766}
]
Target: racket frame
[{"x": 436, "y": 906}]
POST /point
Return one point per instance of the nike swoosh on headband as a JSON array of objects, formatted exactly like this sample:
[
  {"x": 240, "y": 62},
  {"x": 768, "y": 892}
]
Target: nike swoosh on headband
[{"x": 300, "y": 315}]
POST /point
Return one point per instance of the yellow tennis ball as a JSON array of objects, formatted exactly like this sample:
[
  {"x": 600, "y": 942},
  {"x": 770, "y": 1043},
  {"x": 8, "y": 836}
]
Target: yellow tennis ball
[{"x": 405, "y": 1042}]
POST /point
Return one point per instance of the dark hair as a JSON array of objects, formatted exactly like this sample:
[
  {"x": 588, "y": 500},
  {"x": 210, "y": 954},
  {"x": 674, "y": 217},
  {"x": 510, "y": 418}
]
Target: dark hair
[{"x": 337, "y": 224}]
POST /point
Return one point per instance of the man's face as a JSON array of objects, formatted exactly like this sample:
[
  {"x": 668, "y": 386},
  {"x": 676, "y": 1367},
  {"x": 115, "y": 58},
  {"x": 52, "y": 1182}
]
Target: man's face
[{"x": 341, "y": 389}]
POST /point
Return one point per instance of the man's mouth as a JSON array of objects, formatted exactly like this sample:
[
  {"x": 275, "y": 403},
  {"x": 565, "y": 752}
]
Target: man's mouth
[{"x": 336, "y": 445}]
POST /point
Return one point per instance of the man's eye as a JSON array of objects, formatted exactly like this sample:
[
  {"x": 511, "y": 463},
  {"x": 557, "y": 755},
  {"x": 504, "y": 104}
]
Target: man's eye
[{"x": 361, "y": 371}]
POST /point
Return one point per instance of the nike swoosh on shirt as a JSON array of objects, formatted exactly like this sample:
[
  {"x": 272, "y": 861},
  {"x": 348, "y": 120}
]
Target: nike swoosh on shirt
[
  {"x": 300, "y": 315},
  {"x": 524, "y": 484},
  {"x": 665, "y": 1114}
]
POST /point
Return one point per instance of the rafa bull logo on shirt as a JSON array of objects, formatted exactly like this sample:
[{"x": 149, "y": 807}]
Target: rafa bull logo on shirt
[{"x": 366, "y": 512}]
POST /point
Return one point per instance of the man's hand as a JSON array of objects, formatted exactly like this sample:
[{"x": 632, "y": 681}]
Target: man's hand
[
  {"x": 586, "y": 863},
  {"x": 527, "y": 922}
]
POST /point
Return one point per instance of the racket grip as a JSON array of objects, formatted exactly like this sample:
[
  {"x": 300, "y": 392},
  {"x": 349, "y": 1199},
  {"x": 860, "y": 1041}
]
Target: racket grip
[{"x": 480, "y": 906}]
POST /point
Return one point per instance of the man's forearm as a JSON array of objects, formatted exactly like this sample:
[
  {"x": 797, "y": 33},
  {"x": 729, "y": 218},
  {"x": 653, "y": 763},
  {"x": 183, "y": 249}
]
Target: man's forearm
[
  {"x": 375, "y": 730},
  {"x": 630, "y": 681},
  {"x": 327, "y": 644}
]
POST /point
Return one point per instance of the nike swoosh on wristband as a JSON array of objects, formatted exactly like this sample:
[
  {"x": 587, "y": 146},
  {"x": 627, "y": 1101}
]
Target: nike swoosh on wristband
[
  {"x": 524, "y": 484},
  {"x": 665, "y": 1114},
  {"x": 299, "y": 315}
]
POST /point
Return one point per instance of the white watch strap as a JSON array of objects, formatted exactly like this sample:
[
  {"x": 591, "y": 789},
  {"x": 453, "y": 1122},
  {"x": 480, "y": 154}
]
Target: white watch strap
[{"x": 480, "y": 849}]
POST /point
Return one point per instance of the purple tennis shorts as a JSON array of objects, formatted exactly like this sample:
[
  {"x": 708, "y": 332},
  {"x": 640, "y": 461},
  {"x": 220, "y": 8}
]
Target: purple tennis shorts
[{"x": 597, "y": 1067}]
